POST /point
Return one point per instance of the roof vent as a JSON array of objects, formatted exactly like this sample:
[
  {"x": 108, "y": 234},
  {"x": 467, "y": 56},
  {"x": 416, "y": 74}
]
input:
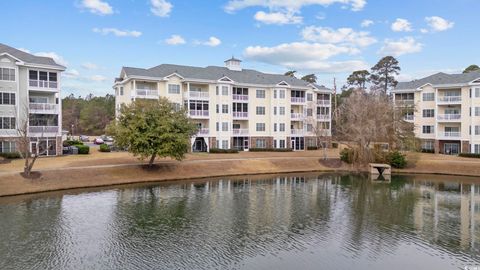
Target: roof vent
[{"x": 233, "y": 64}]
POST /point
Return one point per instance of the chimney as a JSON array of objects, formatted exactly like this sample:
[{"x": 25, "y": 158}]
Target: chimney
[{"x": 233, "y": 64}]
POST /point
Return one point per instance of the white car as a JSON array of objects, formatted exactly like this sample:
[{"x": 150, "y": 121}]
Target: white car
[{"x": 98, "y": 141}]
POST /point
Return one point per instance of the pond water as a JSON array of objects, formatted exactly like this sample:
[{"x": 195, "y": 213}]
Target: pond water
[{"x": 311, "y": 221}]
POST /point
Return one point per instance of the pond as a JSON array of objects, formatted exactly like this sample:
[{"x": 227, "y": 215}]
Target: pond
[{"x": 310, "y": 221}]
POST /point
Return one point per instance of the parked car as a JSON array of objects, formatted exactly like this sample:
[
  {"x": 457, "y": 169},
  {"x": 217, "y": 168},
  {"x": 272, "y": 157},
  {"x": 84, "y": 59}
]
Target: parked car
[
  {"x": 107, "y": 139},
  {"x": 84, "y": 138},
  {"x": 98, "y": 141}
]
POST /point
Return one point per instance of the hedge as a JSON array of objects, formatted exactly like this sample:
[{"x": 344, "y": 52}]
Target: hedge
[
  {"x": 67, "y": 143},
  {"x": 12, "y": 155},
  {"x": 469, "y": 155},
  {"x": 346, "y": 155},
  {"x": 104, "y": 148},
  {"x": 83, "y": 149},
  {"x": 270, "y": 150},
  {"x": 429, "y": 151},
  {"x": 396, "y": 159},
  {"x": 223, "y": 151},
  {"x": 334, "y": 145},
  {"x": 312, "y": 147}
]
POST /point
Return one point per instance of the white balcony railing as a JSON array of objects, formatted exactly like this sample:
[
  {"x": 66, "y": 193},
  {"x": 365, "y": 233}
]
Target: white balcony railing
[
  {"x": 297, "y": 115},
  {"x": 198, "y": 113},
  {"x": 449, "y": 117},
  {"x": 298, "y": 100},
  {"x": 43, "y": 84},
  {"x": 43, "y": 108},
  {"x": 324, "y": 117},
  {"x": 240, "y": 114},
  {"x": 451, "y": 134},
  {"x": 240, "y": 131},
  {"x": 240, "y": 97},
  {"x": 43, "y": 129},
  {"x": 297, "y": 131},
  {"x": 404, "y": 102},
  {"x": 323, "y": 102},
  {"x": 408, "y": 117},
  {"x": 147, "y": 93},
  {"x": 450, "y": 99},
  {"x": 198, "y": 94},
  {"x": 203, "y": 131}
]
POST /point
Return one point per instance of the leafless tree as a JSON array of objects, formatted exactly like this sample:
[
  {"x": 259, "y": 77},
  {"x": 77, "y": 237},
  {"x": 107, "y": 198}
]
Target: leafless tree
[{"x": 320, "y": 129}]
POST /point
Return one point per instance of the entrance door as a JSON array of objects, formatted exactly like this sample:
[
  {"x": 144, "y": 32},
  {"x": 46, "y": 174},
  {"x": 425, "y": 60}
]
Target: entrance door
[
  {"x": 451, "y": 148},
  {"x": 293, "y": 144},
  {"x": 199, "y": 145}
]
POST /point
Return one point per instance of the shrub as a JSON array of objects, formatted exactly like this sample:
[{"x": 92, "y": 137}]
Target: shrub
[
  {"x": 312, "y": 147},
  {"x": 469, "y": 155},
  {"x": 223, "y": 151},
  {"x": 430, "y": 151},
  {"x": 104, "y": 148},
  {"x": 334, "y": 145},
  {"x": 270, "y": 150},
  {"x": 346, "y": 155},
  {"x": 83, "y": 149},
  {"x": 67, "y": 143},
  {"x": 396, "y": 159},
  {"x": 12, "y": 155}
]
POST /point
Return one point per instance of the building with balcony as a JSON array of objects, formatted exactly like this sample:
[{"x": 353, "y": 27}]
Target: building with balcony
[
  {"x": 445, "y": 109},
  {"x": 30, "y": 92},
  {"x": 235, "y": 107}
]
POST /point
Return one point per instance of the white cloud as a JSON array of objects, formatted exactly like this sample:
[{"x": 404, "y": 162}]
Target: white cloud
[
  {"x": 423, "y": 31},
  {"x": 24, "y": 50},
  {"x": 212, "y": 42},
  {"x": 117, "y": 32},
  {"x": 438, "y": 24},
  {"x": 97, "y": 78},
  {"x": 401, "y": 46},
  {"x": 305, "y": 56},
  {"x": 175, "y": 40},
  {"x": 341, "y": 35},
  {"x": 401, "y": 25},
  {"x": 89, "y": 66},
  {"x": 291, "y": 5},
  {"x": 161, "y": 8},
  {"x": 277, "y": 18},
  {"x": 97, "y": 7},
  {"x": 366, "y": 23},
  {"x": 71, "y": 73},
  {"x": 57, "y": 58}
]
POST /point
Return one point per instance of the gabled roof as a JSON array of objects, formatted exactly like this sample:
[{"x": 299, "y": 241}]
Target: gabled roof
[
  {"x": 440, "y": 79},
  {"x": 29, "y": 58},
  {"x": 214, "y": 73}
]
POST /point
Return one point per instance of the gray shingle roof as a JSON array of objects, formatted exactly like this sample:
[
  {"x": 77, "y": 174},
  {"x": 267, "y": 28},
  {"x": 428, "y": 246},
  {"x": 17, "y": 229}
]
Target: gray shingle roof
[
  {"x": 439, "y": 79},
  {"x": 29, "y": 58},
  {"x": 246, "y": 76}
]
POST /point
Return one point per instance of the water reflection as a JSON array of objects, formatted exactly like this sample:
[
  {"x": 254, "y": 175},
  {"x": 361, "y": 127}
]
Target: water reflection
[{"x": 262, "y": 222}]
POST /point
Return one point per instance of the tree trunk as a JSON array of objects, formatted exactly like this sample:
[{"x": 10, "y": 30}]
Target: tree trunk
[{"x": 152, "y": 159}]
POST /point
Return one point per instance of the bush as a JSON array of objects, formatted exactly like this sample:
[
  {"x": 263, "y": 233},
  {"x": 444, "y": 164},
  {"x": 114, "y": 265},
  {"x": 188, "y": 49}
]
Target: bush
[
  {"x": 312, "y": 147},
  {"x": 83, "y": 149},
  {"x": 346, "y": 155},
  {"x": 469, "y": 155},
  {"x": 12, "y": 155},
  {"x": 270, "y": 150},
  {"x": 223, "y": 151},
  {"x": 334, "y": 145},
  {"x": 396, "y": 159},
  {"x": 430, "y": 151},
  {"x": 67, "y": 143},
  {"x": 104, "y": 148}
]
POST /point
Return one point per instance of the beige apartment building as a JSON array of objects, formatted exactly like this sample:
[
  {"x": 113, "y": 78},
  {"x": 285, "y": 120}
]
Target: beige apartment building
[
  {"x": 30, "y": 91},
  {"x": 234, "y": 107},
  {"x": 445, "y": 109}
]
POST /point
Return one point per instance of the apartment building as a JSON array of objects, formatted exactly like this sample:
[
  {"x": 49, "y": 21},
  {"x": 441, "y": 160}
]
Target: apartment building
[
  {"x": 234, "y": 107},
  {"x": 30, "y": 92},
  {"x": 445, "y": 109}
]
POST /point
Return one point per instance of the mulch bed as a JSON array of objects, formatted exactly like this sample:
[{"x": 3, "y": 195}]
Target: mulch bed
[{"x": 32, "y": 176}]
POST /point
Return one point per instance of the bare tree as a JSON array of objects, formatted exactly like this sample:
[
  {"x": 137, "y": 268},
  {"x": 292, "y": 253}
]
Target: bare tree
[{"x": 320, "y": 129}]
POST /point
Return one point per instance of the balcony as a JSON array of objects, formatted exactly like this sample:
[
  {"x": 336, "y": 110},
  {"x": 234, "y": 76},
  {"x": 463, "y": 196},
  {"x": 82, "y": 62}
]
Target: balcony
[
  {"x": 449, "y": 117},
  {"x": 43, "y": 130},
  {"x": 199, "y": 114},
  {"x": 240, "y": 131},
  {"x": 323, "y": 117},
  {"x": 297, "y": 116},
  {"x": 408, "y": 118},
  {"x": 449, "y": 100},
  {"x": 323, "y": 102},
  {"x": 298, "y": 100},
  {"x": 450, "y": 135},
  {"x": 240, "y": 115},
  {"x": 203, "y": 131},
  {"x": 297, "y": 132},
  {"x": 146, "y": 93},
  {"x": 45, "y": 108},
  {"x": 240, "y": 97},
  {"x": 404, "y": 102},
  {"x": 43, "y": 84},
  {"x": 198, "y": 95}
]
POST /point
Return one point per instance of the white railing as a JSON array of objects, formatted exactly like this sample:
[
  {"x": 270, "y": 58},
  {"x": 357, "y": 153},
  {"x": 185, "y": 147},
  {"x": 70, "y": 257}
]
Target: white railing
[
  {"x": 43, "y": 84},
  {"x": 43, "y": 129},
  {"x": 450, "y": 116},
  {"x": 298, "y": 100},
  {"x": 240, "y": 114},
  {"x": 203, "y": 131},
  {"x": 240, "y": 131},
  {"x": 323, "y": 116},
  {"x": 297, "y": 115},
  {"x": 240, "y": 97},
  {"x": 324, "y": 102},
  {"x": 404, "y": 101},
  {"x": 198, "y": 113},
  {"x": 43, "y": 107},
  {"x": 197, "y": 94},
  {"x": 297, "y": 131},
  {"x": 147, "y": 92},
  {"x": 408, "y": 118},
  {"x": 450, "y": 99},
  {"x": 451, "y": 134}
]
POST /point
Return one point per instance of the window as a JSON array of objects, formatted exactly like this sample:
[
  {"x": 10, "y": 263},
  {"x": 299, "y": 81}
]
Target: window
[
  {"x": 34, "y": 99},
  {"x": 282, "y": 127},
  {"x": 217, "y": 126},
  {"x": 309, "y": 128},
  {"x": 428, "y": 145},
  {"x": 7, "y": 74},
  {"x": 428, "y": 96},
  {"x": 121, "y": 91},
  {"x": 7, "y": 98},
  {"x": 7, "y": 123},
  {"x": 174, "y": 89},
  {"x": 282, "y": 110},
  {"x": 309, "y": 112},
  {"x": 476, "y": 149},
  {"x": 224, "y": 126},
  {"x": 429, "y": 113},
  {"x": 236, "y": 126},
  {"x": 224, "y": 144},
  {"x": 240, "y": 91},
  {"x": 260, "y": 143},
  {"x": 274, "y": 110},
  {"x": 274, "y": 93},
  {"x": 176, "y": 106},
  {"x": 477, "y": 111},
  {"x": 216, "y": 90},
  {"x": 282, "y": 143},
  {"x": 260, "y": 93},
  {"x": 477, "y": 130},
  {"x": 309, "y": 97},
  {"x": 240, "y": 107},
  {"x": 217, "y": 108},
  {"x": 275, "y": 127},
  {"x": 224, "y": 108},
  {"x": 52, "y": 76},
  {"x": 7, "y": 147},
  {"x": 260, "y": 127},
  {"x": 281, "y": 93},
  {"x": 260, "y": 110},
  {"x": 427, "y": 129},
  {"x": 198, "y": 105},
  {"x": 224, "y": 90},
  {"x": 477, "y": 92}
]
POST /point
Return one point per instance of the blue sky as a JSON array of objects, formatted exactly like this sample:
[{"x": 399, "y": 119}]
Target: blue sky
[{"x": 331, "y": 38}]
